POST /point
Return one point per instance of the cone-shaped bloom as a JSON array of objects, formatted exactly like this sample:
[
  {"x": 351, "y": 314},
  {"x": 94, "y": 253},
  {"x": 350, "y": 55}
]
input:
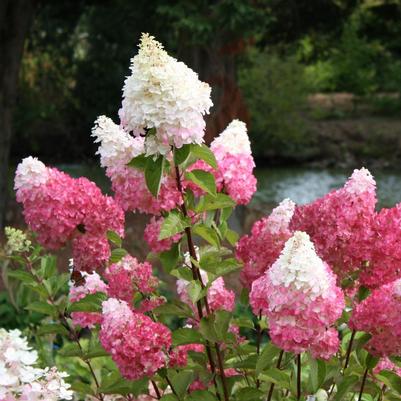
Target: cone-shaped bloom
[
  {"x": 380, "y": 315},
  {"x": 235, "y": 162},
  {"x": 164, "y": 94},
  {"x": 301, "y": 299},
  {"x": 137, "y": 345},
  {"x": 58, "y": 207},
  {"x": 341, "y": 223},
  {"x": 259, "y": 250}
]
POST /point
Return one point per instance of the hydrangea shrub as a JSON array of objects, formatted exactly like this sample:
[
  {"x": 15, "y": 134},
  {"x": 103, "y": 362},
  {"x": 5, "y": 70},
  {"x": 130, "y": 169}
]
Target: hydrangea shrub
[{"x": 318, "y": 317}]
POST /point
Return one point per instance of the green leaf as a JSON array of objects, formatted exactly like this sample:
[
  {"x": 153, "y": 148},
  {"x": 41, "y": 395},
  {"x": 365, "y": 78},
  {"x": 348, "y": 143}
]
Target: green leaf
[
  {"x": 90, "y": 303},
  {"x": 344, "y": 386},
  {"x": 221, "y": 268},
  {"x": 117, "y": 254},
  {"x": 82, "y": 388},
  {"x": 48, "y": 266},
  {"x": 138, "y": 162},
  {"x": 125, "y": 387},
  {"x": 53, "y": 328},
  {"x": 173, "y": 224},
  {"x": 201, "y": 395},
  {"x": 204, "y": 153},
  {"x": 153, "y": 174},
  {"x": 170, "y": 258},
  {"x": 226, "y": 213},
  {"x": 249, "y": 394},
  {"x": 266, "y": 357},
  {"x": 113, "y": 237},
  {"x": 181, "y": 381},
  {"x": 203, "y": 180},
  {"x": 169, "y": 397},
  {"x": 371, "y": 361},
  {"x": 181, "y": 154},
  {"x": 70, "y": 350},
  {"x": 210, "y": 202},
  {"x": 42, "y": 307},
  {"x": 175, "y": 308},
  {"x": 195, "y": 291},
  {"x": 222, "y": 323},
  {"x": 95, "y": 352},
  {"x": 183, "y": 273},
  {"x": 276, "y": 376},
  {"x": 317, "y": 373},
  {"x": 207, "y": 329},
  {"x": 184, "y": 336},
  {"x": 390, "y": 379},
  {"x": 22, "y": 275},
  {"x": 231, "y": 236},
  {"x": 207, "y": 233}
]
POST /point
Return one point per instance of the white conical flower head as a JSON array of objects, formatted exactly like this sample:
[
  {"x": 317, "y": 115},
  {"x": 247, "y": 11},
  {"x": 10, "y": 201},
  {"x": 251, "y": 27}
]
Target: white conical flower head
[
  {"x": 31, "y": 172},
  {"x": 280, "y": 217},
  {"x": 234, "y": 139},
  {"x": 165, "y": 94},
  {"x": 117, "y": 147},
  {"x": 360, "y": 181},
  {"x": 300, "y": 267}
]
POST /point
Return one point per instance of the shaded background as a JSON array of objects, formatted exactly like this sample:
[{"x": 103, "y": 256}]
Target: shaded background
[{"x": 317, "y": 81}]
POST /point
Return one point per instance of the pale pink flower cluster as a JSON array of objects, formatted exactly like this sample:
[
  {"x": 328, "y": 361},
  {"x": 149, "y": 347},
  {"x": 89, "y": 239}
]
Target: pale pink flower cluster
[
  {"x": 92, "y": 284},
  {"x": 301, "y": 300},
  {"x": 341, "y": 223},
  {"x": 129, "y": 276},
  {"x": 59, "y": 208},
  {"x": 380, "y": 315},
  {"x": 151, "y": 236},
  {"x": 136, "y": 344},
  {"x": 132, "y": 194},
  {"x": 178, "y": 356},
  {"x": 259, "y": 250},
  {"x": 386, "y": 364},
  {"x": 20, "y": 380},
  {"x": 164, "y": 94},
  {"x": 235, "y": 162}
]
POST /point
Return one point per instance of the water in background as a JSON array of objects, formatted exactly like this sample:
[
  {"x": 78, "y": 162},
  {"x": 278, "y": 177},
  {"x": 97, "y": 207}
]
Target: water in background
[{"x": 303, "y": 185}]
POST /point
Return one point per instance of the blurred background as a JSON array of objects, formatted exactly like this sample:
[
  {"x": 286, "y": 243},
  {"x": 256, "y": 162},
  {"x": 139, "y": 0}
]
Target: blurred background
[{"x": 317, "y": 81}]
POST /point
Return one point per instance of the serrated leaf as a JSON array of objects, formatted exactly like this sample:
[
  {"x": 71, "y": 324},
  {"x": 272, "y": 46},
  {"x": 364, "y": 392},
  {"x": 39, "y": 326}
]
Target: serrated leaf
[
  {"x": 317, "y": 373},
  {"x": 266, "y": 357},
  {"x": 207, "y": 329},
  {"x": 173, "y": 224},
  {"x": 181, "y": 381},
  {"x": 53, "y": 328},
  {"x": 204, "y": 153},
  {"x": 203, "y": 180},
  {"x": 210, "y": 202},
  {"x": 184, "y": 336},
  {"x": 344, "y": 386},
  {"x": 82, "y": 388},
  {"x": 182, "y": 273},
  {"x": 70, "y": 350},
  {"x": 170, "y": 258},
  {"x": 90, "y": 303},
  {"x": 276, "y": 376},
  {"x": 194, "y": 290},
  {"x": 117, "y": 254},
  {"x": 207, "y": 233},
  {"x": 153, "y": 174},
  {"x": 22, "y": 275},
  {"x": 390, "y": 379},
  {"x": 138, "y": 162},
  {"x": 221, "y": 268},
  {"x": 95, "y": 352},
  {"x": 175, "y": 308},
  {"x": 42, "y": 307},
  {"x": 222, "y": 323},
  {"x": 181, "y": 154},
  {"x": 113, "y": 237},
  {"x": 231, "y": 236}
]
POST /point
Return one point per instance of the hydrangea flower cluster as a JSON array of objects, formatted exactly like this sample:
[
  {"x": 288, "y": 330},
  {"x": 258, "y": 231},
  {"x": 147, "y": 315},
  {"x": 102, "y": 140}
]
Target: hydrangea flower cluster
[
  {"x": 340, "y": 224},
  {"x": 235, "y": 162},
  {"x": 164, "y": 94},
  {"x": 179, "y": 355},
  {"x": 301, "y": 300},
  {"x": 136, "y": 344},
  {"x": 386, "y": 364},
  {"x": 380, "y": 315},
  {"x": 17, "y": 240},
  {"x": 151, "y": 236},
  {"x": 129, "y": 276},
  {"x": 20, "y": 380},
  {"x": 259, "y": 250},
  {"x": 92, "y": 284},
  {"x": 59, "y": 208}
]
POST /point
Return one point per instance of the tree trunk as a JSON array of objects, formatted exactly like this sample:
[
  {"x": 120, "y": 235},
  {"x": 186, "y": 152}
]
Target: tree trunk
[{"x": 15, "y": 21}]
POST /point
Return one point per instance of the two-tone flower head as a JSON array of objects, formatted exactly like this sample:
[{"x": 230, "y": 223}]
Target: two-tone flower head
[
  {"x": 136, "y": 344},
  {"x": 235, "y": 162},
  {"x": 259, "y": 250},
  {"x": 300, "y": 297},
  {"x": 380, "y": 315},
  {"x": 164, "y": 94},
  {"x": 341, "y": 223}
]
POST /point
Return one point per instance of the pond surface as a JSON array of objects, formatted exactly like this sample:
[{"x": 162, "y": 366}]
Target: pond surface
[{"x": 303, "y": 185}]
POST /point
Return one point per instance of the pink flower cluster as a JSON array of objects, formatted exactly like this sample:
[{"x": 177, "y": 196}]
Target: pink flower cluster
[
  {"x": 179, "y": 355},
  {"x": 340, "y": 223},
  {"x": 380, "y": 315},
  {"x": 136, "y": 344},
  {"x": 60, "y": 208},
  {"x": 129, "y": 276},
  {"x": 300, "y": 297},
  {"x": 93, "y": 284},
  {"x": 151, "y": 236},
  {"x": 259, "y": 250},
  {"x": 235, "y": 162},
  {"x": 386, "y": 364}
]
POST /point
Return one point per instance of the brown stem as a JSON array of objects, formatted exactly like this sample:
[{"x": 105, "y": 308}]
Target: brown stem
[
  {"x": 381, "y": 394},
  {"x": 349, "y": 349},
  {"x": 158, "y": 395},
  {"x": 258, "y": 341},
  {"x": 280, "y": 357},
  {"x": 363, "y": 384},
  {"x": 197, "y": 276},
  {"x": 298, "y": 376}
]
